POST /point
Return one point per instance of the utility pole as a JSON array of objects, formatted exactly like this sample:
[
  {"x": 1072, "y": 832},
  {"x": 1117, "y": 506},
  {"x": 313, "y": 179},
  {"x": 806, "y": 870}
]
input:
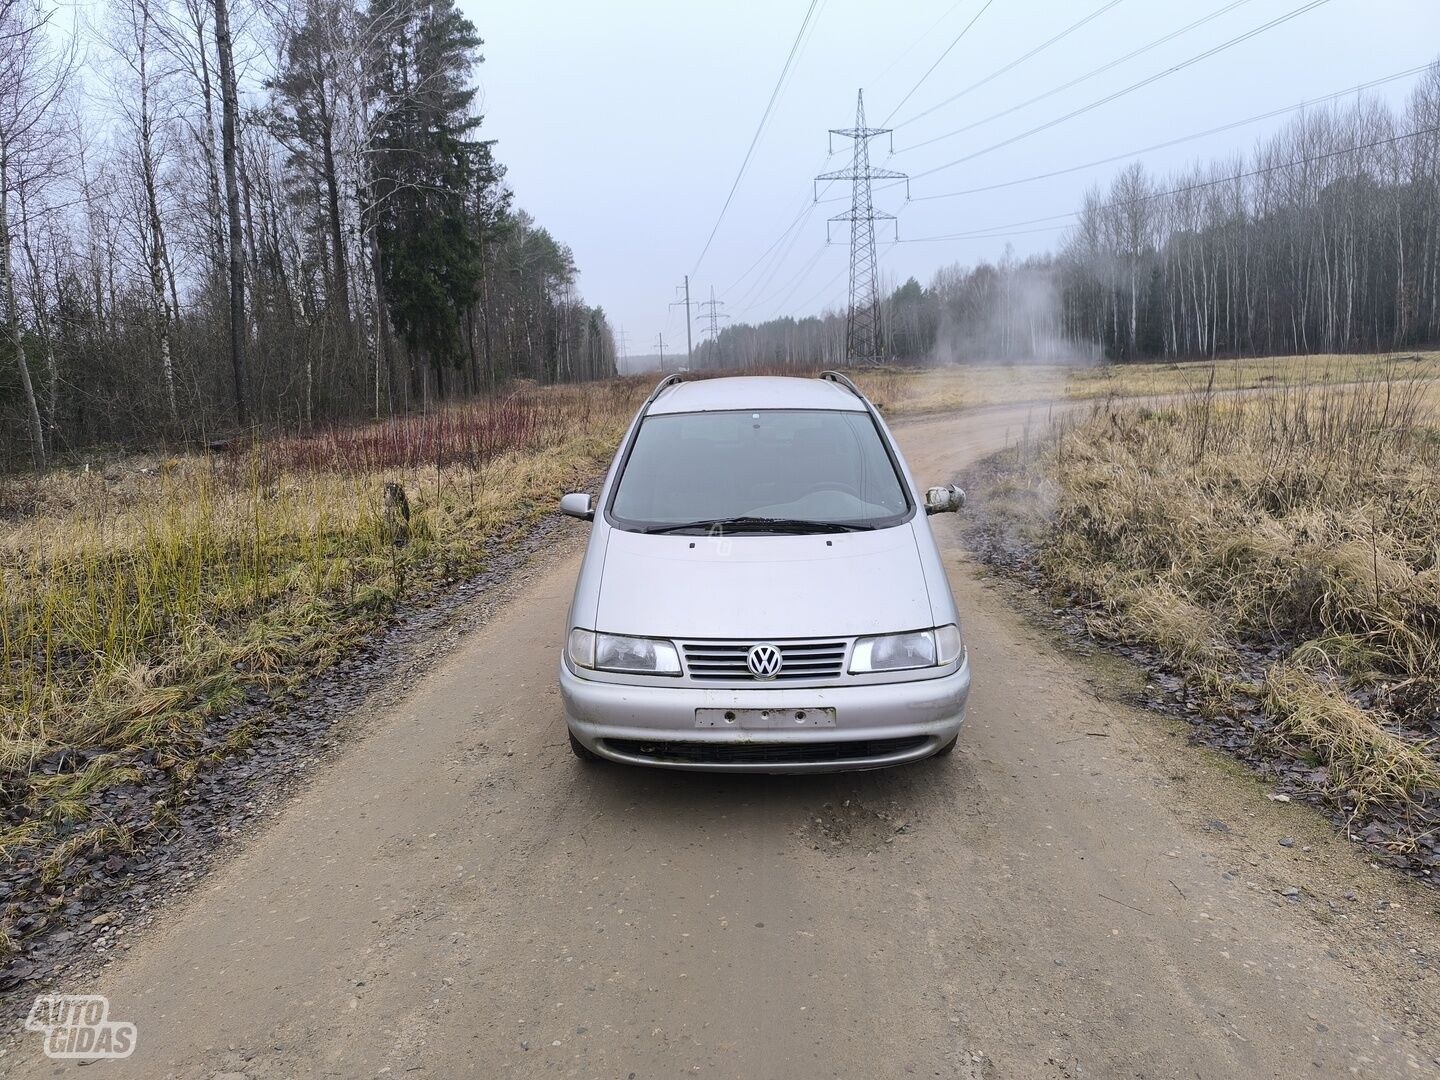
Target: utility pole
[
  {"x": 862, "y": 324},
  {"x": 713, "y": 315},
  {"x": 689, "y": 347},
  {"x": 660, "y": 342}
]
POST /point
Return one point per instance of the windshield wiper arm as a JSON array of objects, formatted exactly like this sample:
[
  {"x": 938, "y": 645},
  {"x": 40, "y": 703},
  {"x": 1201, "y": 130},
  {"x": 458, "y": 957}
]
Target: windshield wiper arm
[{"x": 786, "y": 525}]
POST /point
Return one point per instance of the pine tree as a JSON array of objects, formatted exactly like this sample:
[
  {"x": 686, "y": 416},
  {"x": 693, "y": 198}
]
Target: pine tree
[
  {"x": 305, "y": 119},
  {"x": 429, "y": 161}
]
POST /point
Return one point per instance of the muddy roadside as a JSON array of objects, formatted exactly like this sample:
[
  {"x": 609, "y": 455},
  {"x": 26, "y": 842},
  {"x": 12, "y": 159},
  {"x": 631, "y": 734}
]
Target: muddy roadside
[{"x": 261, "y": 752}]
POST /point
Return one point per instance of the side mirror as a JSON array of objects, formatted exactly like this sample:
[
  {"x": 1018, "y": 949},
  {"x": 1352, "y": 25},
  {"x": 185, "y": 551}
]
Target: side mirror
[
  {"x": 944, "y": 500},
  {"x": 578, "y": 504}
]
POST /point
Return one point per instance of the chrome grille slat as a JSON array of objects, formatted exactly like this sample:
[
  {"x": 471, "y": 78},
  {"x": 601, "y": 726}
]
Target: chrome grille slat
[{"x": 725, "y": 661}]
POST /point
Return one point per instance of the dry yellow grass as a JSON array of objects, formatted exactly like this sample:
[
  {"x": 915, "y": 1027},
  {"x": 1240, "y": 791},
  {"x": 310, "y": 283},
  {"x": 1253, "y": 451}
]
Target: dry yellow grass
[
  {"x": 1214, "y": 529},
  {"x": 1140, "y": 380},
  {"x": 950, "y": 387},
  {"x": 140, "y": 596}
]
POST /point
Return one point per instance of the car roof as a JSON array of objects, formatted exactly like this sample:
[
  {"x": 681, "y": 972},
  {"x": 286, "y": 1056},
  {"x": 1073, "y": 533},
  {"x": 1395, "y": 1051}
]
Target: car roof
[{"x": 755, "y": 392}]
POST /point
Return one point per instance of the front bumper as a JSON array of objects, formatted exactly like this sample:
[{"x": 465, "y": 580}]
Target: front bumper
[{"x": 876, "y": 724}]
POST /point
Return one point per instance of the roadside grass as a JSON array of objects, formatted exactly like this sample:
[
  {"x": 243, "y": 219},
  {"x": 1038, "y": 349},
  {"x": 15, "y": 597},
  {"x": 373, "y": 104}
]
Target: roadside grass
[
  {"x": 1281, "y": 548},
  {"x": 140, "y": 598}
]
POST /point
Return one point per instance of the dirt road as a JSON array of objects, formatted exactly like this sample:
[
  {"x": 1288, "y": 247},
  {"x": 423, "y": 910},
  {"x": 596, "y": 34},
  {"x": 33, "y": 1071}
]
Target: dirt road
[{"x": 1075, "y": 893}]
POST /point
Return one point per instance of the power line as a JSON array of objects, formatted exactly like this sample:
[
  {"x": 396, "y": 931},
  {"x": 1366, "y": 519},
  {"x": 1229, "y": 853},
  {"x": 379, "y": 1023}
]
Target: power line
[
  {"x": 794, "y": 287},
  {"x": 1163, "y": 39},
  {"x": 823, "y": 290},
  {"x": 759, "y": 129},
  {"x": 1013, "y": 63},
  {"x": 987, "y": 234},
  {"x": 791, "y": 284},
  {"x": 792, "y": 234},
  {"x": 800, "y": 216},
  {"x": 862, "y": 324},
  {"x": 918, "y": 41},
  {"x": 785, "y": 244},
  {"x": 689, "y": 345},
  {"x": 930, "y": 70},
  {"x": 1178, "y": 140},
  {"x": 761, "y": 285},
  {"x": 1200, "y": 185},
  {"x": 711, "y": 313},
  {"x": 806, "y": 206},
  {"x": 1303, "y": 9}
]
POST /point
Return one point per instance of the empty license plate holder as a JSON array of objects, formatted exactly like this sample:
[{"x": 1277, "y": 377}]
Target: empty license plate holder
[{"x": 765, "y": 719}]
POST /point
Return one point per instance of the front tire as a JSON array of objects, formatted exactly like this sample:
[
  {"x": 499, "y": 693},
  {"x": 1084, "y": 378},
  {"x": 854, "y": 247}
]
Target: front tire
[
  {"x": 947, "y": 749},
  {"x": 583, "y": 752}
]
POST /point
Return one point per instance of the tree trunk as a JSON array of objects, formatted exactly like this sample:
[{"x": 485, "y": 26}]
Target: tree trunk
[
  {"x": 12, "y": 314},
  {"x": 230, "y": 121}
]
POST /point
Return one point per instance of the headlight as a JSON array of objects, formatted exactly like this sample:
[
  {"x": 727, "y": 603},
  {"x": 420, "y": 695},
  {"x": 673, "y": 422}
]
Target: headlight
[
  {"x": 904, "y": 652},
  {"x": 614, "y": 652}
]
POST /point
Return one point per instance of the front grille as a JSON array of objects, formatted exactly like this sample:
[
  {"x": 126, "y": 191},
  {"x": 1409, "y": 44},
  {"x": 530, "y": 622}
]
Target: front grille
[
  {"x": 806, "y": 753},
  {"x": 724, "y": 661}
]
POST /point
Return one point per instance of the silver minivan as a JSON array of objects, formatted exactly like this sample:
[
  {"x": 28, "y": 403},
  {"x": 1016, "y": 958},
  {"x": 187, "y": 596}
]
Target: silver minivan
[{"x": 761, "y": 591}]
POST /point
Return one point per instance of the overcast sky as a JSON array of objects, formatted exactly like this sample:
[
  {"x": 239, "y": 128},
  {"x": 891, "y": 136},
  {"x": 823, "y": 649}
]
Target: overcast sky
[{"x": 624, "y": 123}]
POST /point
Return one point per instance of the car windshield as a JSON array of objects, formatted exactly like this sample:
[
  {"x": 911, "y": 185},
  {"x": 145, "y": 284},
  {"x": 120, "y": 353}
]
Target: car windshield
[{"x": 766, "y": 470}]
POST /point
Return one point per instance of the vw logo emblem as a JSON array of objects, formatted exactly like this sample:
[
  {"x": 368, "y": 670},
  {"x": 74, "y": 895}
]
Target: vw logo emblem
[{"x": 764, "y": 661}]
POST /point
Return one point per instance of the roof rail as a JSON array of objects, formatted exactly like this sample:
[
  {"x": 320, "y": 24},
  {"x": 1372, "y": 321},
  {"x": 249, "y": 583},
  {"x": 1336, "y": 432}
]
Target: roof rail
[
  {"x": 665, "y": 383},
  {"x": 843, "y": 380}
]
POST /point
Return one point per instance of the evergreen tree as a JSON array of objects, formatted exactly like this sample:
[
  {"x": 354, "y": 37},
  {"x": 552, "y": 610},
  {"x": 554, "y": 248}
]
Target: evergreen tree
[
  {"x": 429, "y": 162},
  {"x": 304, "y": 120}
]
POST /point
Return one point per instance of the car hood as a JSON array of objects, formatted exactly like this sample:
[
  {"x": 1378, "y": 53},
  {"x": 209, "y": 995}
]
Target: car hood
[{"x": 757, "y": 587}]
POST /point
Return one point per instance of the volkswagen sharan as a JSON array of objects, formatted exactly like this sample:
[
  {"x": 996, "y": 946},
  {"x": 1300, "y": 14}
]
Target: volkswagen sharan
[{"x": 761, "y": 591}]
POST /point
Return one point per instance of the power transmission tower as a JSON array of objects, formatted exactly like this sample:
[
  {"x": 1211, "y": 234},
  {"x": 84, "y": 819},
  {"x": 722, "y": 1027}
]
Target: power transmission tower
[
  {"x": 689, "y": 347},
  {"x": 713, "y": 315},
  {"x": 660, "y": 341},
  {"x": 623, "y": 340},
  {"x": 862, "y": 324}
]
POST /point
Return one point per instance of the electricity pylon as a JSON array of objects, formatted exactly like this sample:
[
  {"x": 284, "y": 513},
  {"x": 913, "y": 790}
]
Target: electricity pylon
[
  {"x": 689, "y": 345},
  {"x": 862, "y": 324},
  {"x": 713, "y": 315}
]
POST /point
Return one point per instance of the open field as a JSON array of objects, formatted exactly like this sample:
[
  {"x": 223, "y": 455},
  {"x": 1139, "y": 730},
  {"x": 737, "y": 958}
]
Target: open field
[
  {"x": 142, "y": 595},
  {"x": 945, "y": 389},
  {"x": 1281, "y": 552}
]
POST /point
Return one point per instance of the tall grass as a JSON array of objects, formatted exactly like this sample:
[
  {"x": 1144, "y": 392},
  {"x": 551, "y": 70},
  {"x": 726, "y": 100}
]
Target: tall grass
[
  {"x": 139, "y": 599},
  {"x": 1296, "y": 529}
]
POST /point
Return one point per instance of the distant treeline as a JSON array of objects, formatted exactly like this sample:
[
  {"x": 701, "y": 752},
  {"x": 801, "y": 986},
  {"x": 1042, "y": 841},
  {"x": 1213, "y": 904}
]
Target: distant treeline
[
  {"x": 309, "y": 172},
  {"x": 1325, "y": 239}
]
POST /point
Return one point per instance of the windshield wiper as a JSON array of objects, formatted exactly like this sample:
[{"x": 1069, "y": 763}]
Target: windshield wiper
[{"x": 761, "y": 524}]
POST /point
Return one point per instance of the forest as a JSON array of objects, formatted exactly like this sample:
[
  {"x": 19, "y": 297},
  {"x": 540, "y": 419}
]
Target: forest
[
  {"x": 219, "y": 214},
  {"x": 1325, "y": 237}
]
